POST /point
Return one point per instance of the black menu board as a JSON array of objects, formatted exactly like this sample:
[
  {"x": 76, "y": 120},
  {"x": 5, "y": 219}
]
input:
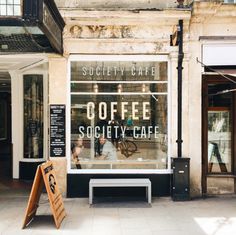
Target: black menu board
[{"x": 57, "y": 131}]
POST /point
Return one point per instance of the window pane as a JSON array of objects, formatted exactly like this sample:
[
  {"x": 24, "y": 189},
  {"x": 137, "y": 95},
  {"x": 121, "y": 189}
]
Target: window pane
[
  {"x": 10, "y": 10},
  {"x": 119, "y": 87},
  {"x": 3, "y": 10},
  {"x": 3, "y": 2},
  {"x": 219, "y": 141},
  {"x": 9, "y": 1},
  {"x": 33, "y": 116},
  {"x": 17, "y": 10},
  {"x": 229, "y": 1},
  {"x": 118, "y": 130},
  {"x": 17, "y": 1},
  {"x": 124, "y": 71}
]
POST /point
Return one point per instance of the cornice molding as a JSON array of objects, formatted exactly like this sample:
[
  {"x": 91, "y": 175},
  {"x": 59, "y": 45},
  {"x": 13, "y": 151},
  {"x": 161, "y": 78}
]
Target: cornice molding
[
  {"x": 118, "y": 17},
  {"x": 216, "y": 9}
]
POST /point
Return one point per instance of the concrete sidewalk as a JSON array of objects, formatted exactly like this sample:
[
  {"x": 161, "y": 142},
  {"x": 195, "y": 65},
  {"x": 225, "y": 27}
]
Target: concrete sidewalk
[{"x": 211, "y": 216}]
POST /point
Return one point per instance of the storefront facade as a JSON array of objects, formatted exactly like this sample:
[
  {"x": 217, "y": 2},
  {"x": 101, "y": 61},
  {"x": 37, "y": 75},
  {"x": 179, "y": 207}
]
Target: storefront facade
[
  {"x": 120, "y": 96},
  {"x": 106, "y": 52},
  {"x": 122, "y": 101},
  {"x": 107, "y": 107}
]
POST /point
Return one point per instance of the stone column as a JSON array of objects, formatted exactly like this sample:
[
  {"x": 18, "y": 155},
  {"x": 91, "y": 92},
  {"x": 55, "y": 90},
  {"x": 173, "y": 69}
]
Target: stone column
[
  {"x": 58, "y": 95},
  {"x": 195, "y": 118}
]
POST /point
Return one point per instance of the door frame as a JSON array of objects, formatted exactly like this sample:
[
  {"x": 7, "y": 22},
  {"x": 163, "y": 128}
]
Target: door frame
[
  {"x": 17, "y": 116},
  {"x": 216, "y": 79}
]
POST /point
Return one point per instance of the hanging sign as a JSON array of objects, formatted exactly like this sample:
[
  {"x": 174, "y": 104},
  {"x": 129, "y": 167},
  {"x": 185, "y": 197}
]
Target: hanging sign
[
  {"x": 45, "y": 176},
  {"x": 174, "y": 36},
  {"x": 57, "y": 131}
]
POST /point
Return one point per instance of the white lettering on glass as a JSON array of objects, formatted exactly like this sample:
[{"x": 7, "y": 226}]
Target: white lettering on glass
[
  {"x": 102, "y": 110},
  {"x": 134, "y": 110},
  {"x": 145, "y": 111},
  {"x": 90, "y": 110},
  {"x": 123, "y": 109},
  {"x": 113, "y": 110}
]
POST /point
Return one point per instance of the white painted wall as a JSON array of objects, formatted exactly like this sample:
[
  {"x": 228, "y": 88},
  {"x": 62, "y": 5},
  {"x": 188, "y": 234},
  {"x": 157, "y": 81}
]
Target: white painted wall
[{"x": 16, "y": 122}]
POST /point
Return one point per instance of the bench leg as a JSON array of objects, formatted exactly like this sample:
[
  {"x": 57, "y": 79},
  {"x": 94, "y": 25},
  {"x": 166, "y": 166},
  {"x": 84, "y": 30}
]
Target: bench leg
[
  {"x": 149, "y": 194},
  {"x": 90, "y": 195}
]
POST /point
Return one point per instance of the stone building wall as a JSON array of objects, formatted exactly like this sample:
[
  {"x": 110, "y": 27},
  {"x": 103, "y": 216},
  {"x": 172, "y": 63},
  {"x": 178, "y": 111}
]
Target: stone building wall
[
  {"x": 112, "y": 29},
  {"x": 133, "y": 32}
]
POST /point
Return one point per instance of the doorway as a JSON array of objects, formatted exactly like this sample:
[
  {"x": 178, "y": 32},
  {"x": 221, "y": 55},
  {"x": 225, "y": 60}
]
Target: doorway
[
  {"x": 218, "y": 134},
  {"x": 5, "y": 127}
]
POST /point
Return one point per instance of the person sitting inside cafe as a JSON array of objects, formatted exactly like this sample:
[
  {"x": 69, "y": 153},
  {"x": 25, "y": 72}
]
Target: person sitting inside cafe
[
  {"x": 76, "y": 150},
  {"x": 108, "y": 150}
]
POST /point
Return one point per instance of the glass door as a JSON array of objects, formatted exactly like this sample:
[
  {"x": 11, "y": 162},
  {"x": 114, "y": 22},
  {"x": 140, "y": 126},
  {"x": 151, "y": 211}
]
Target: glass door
[{"x": 219, "y": 128}]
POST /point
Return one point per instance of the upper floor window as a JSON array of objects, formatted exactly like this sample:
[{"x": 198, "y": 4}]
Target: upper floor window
[
  {"x": 229, "y": 1},
  {"x": 10, "y": 7}
]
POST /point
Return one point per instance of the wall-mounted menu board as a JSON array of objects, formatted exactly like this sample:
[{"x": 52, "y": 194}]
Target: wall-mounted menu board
[{"x": 57, "y": 130}]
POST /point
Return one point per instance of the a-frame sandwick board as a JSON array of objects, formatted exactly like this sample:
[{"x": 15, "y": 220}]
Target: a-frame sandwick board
[{"x": 45, "y": 175}]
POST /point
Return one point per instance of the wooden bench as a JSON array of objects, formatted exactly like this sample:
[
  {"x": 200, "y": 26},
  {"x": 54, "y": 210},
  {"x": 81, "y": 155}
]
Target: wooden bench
[{"x": 137, "y": 182}]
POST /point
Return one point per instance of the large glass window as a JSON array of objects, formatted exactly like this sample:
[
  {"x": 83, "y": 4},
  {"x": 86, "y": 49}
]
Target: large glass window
[
  {"x": 119, "y": 115},
  {"x": 33, "y": 116}
]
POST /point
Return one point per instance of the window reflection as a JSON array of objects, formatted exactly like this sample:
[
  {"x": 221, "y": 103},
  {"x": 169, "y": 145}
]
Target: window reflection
[
  {"x": 219, "y": 128},
  {"x": 33, "y": 116}
]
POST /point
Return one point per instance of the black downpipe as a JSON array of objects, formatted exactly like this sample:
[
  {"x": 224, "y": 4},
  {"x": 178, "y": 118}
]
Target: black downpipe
[
  {"x": 179, "y": 141},
  {"x": 180, "y": 184}
]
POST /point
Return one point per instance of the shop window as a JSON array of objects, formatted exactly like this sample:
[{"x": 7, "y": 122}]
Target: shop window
[
  {"x": 229, "y": 1},
  {"x": 119, "y": 115},
  {"x": 10, "y": 7},
  {"x": 33, "y": 116}
]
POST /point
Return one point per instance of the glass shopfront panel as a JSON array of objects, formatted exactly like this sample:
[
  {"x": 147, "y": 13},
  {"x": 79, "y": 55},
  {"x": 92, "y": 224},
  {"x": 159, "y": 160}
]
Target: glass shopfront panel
[
  {"x": 119, "y": 115},
  {"x": 219, "y": 128}
]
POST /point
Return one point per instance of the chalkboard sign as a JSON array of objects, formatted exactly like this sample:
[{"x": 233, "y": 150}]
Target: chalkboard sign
[{"x": 57, "y": 131}]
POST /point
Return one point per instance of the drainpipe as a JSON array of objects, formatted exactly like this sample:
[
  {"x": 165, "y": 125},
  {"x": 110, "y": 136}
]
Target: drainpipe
[
  {"x": 179, "y": 140},
  {"x": 180, "y": 179}
]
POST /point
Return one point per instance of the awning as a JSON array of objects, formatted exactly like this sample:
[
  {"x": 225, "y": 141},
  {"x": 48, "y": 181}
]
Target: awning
[{"x": 219, "y": 54}]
